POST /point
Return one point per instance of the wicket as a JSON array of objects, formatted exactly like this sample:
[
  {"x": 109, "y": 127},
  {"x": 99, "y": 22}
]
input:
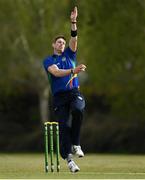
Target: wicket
[{"x": 51, "y": 127}]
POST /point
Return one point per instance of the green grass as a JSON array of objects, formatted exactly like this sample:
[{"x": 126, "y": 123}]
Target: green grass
[{"x": 94, "y": 166}]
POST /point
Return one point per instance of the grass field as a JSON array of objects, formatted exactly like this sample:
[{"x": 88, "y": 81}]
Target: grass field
[{"x": 93, "y": 166}]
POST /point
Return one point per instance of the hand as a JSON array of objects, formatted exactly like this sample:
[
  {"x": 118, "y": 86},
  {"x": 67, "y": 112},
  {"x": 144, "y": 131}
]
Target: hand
[
  {"x": 74, "y": 15},
  {"x": 79, "y": 68}
]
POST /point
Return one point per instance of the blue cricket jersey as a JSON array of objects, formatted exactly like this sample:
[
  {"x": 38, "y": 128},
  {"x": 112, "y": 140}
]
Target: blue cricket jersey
[{"x": 67, "y": 60}]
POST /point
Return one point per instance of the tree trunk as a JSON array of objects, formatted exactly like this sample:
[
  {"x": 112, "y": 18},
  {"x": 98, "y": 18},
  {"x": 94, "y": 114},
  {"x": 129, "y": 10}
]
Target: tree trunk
[{"x": 43, "y": 100}]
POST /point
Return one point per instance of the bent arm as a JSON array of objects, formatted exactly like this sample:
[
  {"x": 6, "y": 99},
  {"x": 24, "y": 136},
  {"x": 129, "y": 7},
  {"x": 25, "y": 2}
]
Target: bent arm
[{"x": 53, "y": 69}]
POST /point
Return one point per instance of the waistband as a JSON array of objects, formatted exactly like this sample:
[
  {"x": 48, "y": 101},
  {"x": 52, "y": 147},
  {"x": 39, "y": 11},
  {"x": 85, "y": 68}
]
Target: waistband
[{"x": 66, "y": 92}]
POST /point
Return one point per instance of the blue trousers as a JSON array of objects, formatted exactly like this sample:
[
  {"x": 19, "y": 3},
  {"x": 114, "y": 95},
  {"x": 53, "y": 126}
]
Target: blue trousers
[{"x": 68, "y": 108}]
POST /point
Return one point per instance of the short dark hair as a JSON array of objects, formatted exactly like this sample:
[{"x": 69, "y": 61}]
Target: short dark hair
[{"x": 58, "y": 37}]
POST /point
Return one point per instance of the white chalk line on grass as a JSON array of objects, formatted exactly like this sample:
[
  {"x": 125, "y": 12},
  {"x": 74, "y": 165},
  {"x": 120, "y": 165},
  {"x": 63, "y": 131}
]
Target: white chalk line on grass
[
  {"x": 113, "y": 173},
  {"x": 101, "y": 173},
  {"x": 110, "y": 173}
]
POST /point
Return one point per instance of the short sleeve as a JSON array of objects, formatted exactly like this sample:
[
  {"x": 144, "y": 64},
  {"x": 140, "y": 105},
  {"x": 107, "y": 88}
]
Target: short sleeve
[
  {"x": 70, "y": 53},
  {"x": 47, "y": 62}
]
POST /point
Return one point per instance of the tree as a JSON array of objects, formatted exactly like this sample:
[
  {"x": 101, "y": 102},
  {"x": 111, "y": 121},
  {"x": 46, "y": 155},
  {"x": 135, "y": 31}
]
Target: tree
[
  {"x": 114, "y": 51},
  {"x": 27, "y": 30}
]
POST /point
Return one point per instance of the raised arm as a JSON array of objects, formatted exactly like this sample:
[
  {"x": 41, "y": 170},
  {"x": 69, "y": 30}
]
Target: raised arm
[{"x": 73, "y": 39}]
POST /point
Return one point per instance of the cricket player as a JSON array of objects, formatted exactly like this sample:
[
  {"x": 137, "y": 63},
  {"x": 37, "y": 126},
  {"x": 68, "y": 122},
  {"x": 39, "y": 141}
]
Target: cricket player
[{"x": 68, "y": 102}]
